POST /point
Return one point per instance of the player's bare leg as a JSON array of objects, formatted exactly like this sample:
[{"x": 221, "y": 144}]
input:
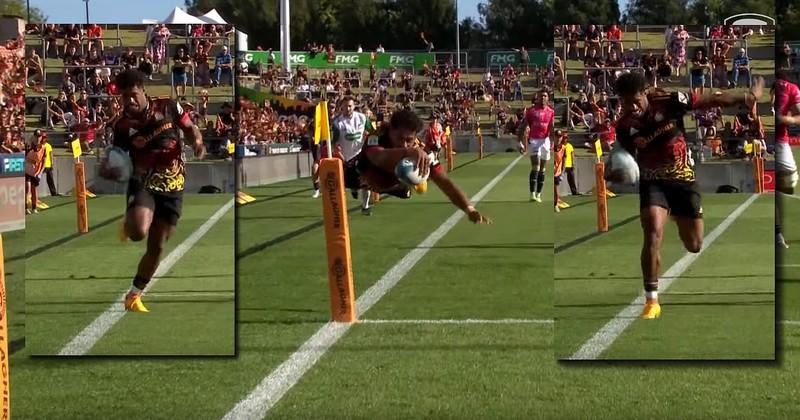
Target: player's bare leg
[
  {"x": 315, "y": 179},
  {"x": 653, "y": 220},
  {"x": 365, "y": 197},
  {"x": 533, "y": 177},
  {"x": 691, "y": 233},
  {"x": 138, "y": 222}
]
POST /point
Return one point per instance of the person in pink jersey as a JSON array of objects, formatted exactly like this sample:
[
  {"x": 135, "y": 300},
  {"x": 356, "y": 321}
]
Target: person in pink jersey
[
  {"x": 539, "y": 123},
  {"x": 787, "y": 109}
]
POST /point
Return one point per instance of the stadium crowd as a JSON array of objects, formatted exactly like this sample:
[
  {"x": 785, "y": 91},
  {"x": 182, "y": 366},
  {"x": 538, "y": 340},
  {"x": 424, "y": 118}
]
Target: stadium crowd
[
  {"x": 441, "y": 86},
  {"x": 12, "y": 95},
  {"x": 86, "y": 98},
  {"x": 593, "y": 106}
]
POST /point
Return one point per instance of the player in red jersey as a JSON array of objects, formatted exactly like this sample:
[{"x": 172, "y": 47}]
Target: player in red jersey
[
  {"x": 651, "y": 128},
  {"x": 539, "y": 119},
  {"x": 396, "y": 140},
  {"x": 149, "y": 129},
  {"x": 787, "y": 110}
]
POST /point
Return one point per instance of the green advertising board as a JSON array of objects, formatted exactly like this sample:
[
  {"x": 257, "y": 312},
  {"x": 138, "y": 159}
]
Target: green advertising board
[
  {"x": 345, "y": 59},
  {"x": 540, "y": 58}
]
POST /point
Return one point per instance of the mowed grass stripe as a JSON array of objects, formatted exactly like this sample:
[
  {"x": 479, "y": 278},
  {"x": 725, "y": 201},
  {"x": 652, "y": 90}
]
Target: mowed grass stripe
[
  {"x": 595, "y": 281},
  {"x": 197, "y": 294},
  {"x": 67, "y": 287},
  {"x": 730, "y": 287}
]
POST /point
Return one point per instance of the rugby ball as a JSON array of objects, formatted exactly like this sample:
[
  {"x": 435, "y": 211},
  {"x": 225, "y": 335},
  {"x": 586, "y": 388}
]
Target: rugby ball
[
  {"x": 119, "y": 159},
  {"x": 407, "y": 172},
  {"x": 623, "y": 168}
]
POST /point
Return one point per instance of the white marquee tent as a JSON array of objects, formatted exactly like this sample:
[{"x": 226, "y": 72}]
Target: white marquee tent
[
  {"x": 213, "y": 17},
  {"x": 178, "y": 16}
]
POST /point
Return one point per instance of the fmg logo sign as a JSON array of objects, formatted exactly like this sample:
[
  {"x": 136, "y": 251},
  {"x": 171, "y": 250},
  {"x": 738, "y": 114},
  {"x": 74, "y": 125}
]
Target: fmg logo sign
[
  {"x": 347, "y": 59},
  {"x": 403, "y": 60},
  {"x": 502, "y": 58}
]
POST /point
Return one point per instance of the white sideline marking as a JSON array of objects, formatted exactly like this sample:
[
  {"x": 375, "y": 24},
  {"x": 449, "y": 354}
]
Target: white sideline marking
[
  {"x": 789, "y": 265},
  {"x": 790, "y": 323},
  {"x": 603, "y": 338},
  {"x": 86, "y": 339},
  {"x": 275, "y": 385},
  {"x": 790, "y": 196},
  {"x": 456, "y": 321}
]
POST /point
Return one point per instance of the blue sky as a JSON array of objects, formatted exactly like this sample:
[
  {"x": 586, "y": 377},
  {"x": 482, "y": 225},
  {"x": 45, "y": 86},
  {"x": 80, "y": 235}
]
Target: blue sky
[{"x": 118, "y": 11}]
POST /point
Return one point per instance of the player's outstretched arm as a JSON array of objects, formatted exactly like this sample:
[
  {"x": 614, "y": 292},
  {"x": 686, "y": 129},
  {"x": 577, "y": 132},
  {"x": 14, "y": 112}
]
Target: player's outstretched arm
[
  {"x": 725, "y": 99},
  {"x": 457, "y": 197}
]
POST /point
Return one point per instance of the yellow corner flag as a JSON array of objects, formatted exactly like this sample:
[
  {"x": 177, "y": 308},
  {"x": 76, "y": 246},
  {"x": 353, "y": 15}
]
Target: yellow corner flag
[
  {"x": 447, "y": 131},
  {"x": 598, "y": 149},
  {"x": 322, "y": 130},
  {"x": 231, "y": 148},
  {"x": 479, "y": 131},
  {"x": 748, "y": 148},
  {"x": 76, "y": 148}
]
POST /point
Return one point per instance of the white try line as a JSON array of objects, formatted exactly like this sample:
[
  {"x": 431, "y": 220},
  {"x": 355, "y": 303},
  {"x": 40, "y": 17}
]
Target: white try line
[
  {"x": 86, "y": 339},
  {"x": 790, "y": 196},
  {"x": 603, "y": 338},
  {"x": 273, "y": 387},
  {"x": 456, "y": 321},
  {"x": 792, "y": 323}
]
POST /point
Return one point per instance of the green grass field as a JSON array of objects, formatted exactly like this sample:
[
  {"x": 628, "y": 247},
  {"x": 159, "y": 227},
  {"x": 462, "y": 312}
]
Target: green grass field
[
  {"x": 730, "y": 287},
  {"x": 395, "y": 370},
  {"x": 71, "y": 279}
]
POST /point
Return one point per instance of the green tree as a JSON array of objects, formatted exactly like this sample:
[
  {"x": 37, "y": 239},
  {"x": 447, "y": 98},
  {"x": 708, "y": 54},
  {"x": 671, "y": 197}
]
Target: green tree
[
  {"x": 19, "y": 8},
  {"x": 587, "y": 11},
  {"x": 658, "y": 12},
  {"x": 515, "y": 22},
  {"x": 715, "y": 11}
]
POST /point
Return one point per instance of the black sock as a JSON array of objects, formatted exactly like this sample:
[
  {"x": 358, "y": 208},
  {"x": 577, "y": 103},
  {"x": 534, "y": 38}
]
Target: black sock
[
  {"x": 532, "y": 180},
  {"x": 316, "y": 185},
  {"x": 651, "y": 287},
  {"x": 140, "y": 282},
  {"x": 539, "y": 182},
  {"x": 777, "y": 229}
]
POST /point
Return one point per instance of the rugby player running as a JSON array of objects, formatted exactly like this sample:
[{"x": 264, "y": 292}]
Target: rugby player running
[
  {"x": 149, "y": 129},
  {"x": 651, "y": 129}
]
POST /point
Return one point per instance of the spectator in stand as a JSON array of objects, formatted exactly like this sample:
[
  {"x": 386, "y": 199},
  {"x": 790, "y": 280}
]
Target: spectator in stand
[
  {"x": 380, "y": 49},
  {"x": 614, "y": 36},
  {"x": 68, "y": 85},
  {"x": 223, "y": 65},
  {"x": 95, "y": 35},
  {"x": 34, "y": 68},
  {"x": 129, "y": 59},
  {"x": 741, "y": 64},
  {"x": 700, "y": 65},
  {"x": 72, "y": 61},
  {"x": 592, "y": 41},
  {"x": 50, "y": 36},
  {"x": 677, "y": 50},
  {"x": 720, "y": 65},
  {"x": 146, "y": 66},
  {"x": 181, "y": 62},
  {"x": 72, "y": 36},
  {"x": 158, "y": 46},
  {"x": 202, "y": 70}
]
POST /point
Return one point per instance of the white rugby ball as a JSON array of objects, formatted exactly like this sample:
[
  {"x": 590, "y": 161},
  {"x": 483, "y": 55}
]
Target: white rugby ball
[
  {"x": 408, "y": 173},
  {"x": 117, "y": 158},
  {"x": 624, "y": 167}
]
